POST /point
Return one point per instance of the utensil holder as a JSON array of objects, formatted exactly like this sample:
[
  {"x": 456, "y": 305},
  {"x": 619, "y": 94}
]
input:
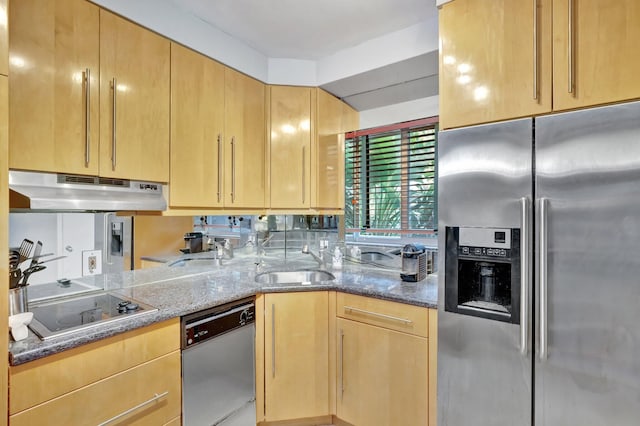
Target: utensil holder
[{"x": 17, "y": 300}]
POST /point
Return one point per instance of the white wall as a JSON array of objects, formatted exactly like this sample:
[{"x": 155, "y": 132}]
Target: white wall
[
  {"x": 56, "y": 231},
  {"x": 412, "y": 110},
  {"x": 167, "y": 19},
  {"x": 378, "y": 52}
]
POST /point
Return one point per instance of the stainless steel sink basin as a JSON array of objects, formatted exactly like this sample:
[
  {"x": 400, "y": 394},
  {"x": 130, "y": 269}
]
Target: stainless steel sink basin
[
  {"x": 306, "y": 276},
  {"x": 373, "y": 256}
]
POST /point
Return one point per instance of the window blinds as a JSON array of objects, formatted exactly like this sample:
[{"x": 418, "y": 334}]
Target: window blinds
[{"x": 390, "y": 179}]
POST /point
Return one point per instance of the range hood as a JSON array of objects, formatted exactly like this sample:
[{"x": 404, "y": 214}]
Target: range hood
[{"x": 51, "y": 191}]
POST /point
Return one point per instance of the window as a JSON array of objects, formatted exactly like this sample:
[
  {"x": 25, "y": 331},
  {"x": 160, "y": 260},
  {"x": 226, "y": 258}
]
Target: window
[{"x": 390, "y": 181}]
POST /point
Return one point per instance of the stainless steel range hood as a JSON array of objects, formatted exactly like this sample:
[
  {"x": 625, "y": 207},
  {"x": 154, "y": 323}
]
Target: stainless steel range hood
[{"x": 51, "y": 191}]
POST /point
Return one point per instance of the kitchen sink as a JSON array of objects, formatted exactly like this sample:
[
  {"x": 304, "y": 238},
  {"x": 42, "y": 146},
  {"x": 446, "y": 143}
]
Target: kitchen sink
[
  {"x": 376, "y": 256},
  {"x": 304, "y": 276}
]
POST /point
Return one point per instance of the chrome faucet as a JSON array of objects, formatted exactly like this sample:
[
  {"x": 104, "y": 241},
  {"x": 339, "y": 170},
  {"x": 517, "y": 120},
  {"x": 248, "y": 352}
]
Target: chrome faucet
[{"x": 305, "y": 250}]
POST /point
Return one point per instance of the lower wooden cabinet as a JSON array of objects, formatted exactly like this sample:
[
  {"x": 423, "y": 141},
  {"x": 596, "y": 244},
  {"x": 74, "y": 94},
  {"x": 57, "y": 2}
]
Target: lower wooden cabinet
[
  {"x": 382, "y": 376},
  {"x": 296, "y": 355},
  {"x": 148, "y": 394},
  {"x": 134, "y": 376},
  {"x": 325, "y": 357}
]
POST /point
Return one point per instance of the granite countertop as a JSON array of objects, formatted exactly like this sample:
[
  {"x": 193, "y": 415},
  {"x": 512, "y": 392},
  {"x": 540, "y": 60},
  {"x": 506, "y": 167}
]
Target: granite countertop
[{"x": 200, "y": 284}]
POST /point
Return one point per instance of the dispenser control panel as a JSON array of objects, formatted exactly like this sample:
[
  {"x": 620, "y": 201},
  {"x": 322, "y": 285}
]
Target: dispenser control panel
[{"x": 484, "y": 252}]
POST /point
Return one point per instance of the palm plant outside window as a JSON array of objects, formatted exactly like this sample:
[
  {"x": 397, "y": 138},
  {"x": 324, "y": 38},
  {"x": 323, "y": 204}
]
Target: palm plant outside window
[{"x": 390, "y": 180}]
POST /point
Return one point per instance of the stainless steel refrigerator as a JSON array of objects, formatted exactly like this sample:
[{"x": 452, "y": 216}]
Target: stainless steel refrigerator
[{"x": 539, "y": 289}]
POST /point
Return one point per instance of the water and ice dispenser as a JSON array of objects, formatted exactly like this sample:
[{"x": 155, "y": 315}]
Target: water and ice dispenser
[{"x": 482, "y": 272}]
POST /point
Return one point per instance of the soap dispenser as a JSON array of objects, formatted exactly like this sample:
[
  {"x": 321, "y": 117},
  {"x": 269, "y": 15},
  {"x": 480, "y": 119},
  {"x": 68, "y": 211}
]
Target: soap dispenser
[{"x": 337, "y": 258}]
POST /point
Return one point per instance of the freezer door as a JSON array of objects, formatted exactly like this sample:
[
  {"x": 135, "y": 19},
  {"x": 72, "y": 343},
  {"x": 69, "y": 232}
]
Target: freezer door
[
  {"x": 588, "y": 178},
  {"x": 484, "y": 378}
]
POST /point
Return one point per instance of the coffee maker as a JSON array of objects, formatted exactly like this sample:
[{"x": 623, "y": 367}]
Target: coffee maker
[
  {"x": 482, "y": 275},
  {"x": 192, "y": 242}
]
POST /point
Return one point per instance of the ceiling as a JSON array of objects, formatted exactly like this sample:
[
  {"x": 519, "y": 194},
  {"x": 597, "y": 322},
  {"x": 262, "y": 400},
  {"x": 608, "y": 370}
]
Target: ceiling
[{"x": 312, "y": 30}]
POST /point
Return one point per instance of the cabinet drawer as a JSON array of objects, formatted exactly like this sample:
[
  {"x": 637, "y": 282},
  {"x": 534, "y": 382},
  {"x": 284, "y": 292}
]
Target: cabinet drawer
[
  {"x": 148, "y": 394},
  {"x": 392, "y": 315},
  {"x": 41, "y": 380}
]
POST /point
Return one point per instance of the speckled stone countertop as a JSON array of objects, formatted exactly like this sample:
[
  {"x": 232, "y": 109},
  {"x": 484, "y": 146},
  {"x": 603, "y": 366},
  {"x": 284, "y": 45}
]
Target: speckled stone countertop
[{"x": 200, "y": 284}]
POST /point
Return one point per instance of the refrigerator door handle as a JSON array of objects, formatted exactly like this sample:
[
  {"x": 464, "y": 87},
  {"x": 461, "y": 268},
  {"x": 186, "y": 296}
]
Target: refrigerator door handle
[
  {"x": 524, "y": 275},
  {"x": 543, "y": 279}
]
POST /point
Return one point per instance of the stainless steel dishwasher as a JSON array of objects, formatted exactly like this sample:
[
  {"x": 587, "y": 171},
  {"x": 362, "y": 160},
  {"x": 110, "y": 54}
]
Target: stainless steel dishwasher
[{"x": 218, "y": 366}]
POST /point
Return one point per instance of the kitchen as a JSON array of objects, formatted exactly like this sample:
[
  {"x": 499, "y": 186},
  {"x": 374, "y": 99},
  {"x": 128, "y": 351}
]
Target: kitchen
[
  {"x": 498, "y": 100},
  {"x": 235, "y": 190}
]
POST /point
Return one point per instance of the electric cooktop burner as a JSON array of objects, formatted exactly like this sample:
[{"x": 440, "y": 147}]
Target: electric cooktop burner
[{"x": 56, "y": 318}]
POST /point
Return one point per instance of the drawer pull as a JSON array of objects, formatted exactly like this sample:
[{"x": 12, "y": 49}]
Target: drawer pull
[
  {"x": 375, "y": 314},
  {"x": 137, "y": 407}
]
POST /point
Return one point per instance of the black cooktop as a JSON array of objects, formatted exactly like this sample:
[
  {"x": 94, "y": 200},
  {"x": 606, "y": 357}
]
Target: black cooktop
[{"x": 65, "y": 316}]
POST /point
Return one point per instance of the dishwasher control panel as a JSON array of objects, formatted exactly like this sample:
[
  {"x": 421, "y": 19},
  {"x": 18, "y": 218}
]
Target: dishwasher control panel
[{"x": 205, "y": 325}]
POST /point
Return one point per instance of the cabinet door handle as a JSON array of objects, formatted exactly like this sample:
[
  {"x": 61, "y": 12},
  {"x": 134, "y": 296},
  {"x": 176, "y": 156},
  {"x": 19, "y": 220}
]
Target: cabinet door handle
[
  {"x": 341, "y": 364},
  {"x": 87, "y": 117},
  {"x": 233, "y": 169},
  {"x": 219, "y": 166},
  {"x": 375, "y": 314},
  {"x": 273, "y": 340},
  {"x": 535, "y": 50},
  {"x": 114, "y": 85},
  {"x": 304, "y": 170},
  {"x": 570, "y": 46},
  {"x": 155, "y": 398}
]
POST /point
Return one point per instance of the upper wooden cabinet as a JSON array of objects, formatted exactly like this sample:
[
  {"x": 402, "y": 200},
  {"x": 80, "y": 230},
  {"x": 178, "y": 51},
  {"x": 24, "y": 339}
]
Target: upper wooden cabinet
[
  {"x": 245, "y": 144},
  {"x": 291, "y": 113},
  {"x": 54, "y": 86},
  {"x": 217, "y": 134},
  {"x": 4, "y": 38},
  {"x": 333, "y": 119},
  {"x": 505, "y": 59},
  {"x": 306, "y": 148},
  {"x": 495, "y": 60},
  {"x": 134, "y": 101},
  {"x": 595, "y": 52},
  {"x": 197, "y": 130}
]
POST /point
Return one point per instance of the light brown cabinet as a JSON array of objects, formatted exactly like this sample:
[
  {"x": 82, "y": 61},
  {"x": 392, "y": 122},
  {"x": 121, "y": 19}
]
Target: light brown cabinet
[
  {"x": 296, "y": 376},
  {"x": 291, "y": 112},
  {"x": 595, "y": 58},
  {"x": 197, "y": 130},
  {"x": 54, "y": 86},
  {"x": 4, "y": 231},
  {"x": 383, "y": 362},
  {"x": 508, "y": 59},
  {"x": 495, "y": 60},
  {"x": 334, "y": 119},
  {"x": 382, "y": 376},
  {"x": 66, "y": 115},
  {"x": 44, "y": 391},
  {"x": 306, "y": 148},
  {"x": 245, "y": 150},
  {"x": 134, "y": 101},
  {"x": 217, "y": 135},
  {"x": 4, "y": 38}
]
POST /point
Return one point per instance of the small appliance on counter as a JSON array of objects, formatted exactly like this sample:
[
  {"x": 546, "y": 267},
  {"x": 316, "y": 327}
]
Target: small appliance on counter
[
  {"x": 192, "y": 242},
  {"x": 414, "y": 263}
]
